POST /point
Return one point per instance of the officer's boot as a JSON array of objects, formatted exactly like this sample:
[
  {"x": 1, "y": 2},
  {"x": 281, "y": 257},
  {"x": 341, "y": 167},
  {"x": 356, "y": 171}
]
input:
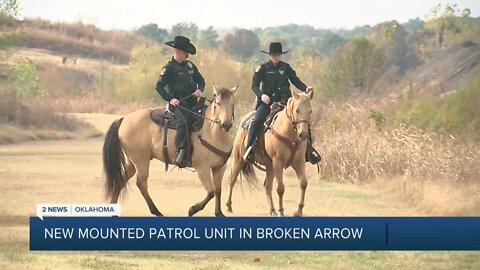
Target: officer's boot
[
  {"x": 311, "y": 155},
  {"x": 249, "y": 155}
]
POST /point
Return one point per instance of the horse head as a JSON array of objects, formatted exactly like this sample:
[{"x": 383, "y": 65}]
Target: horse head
[
  {"x": 224, "y": 106},
  {"x": 299, "y": 110}
]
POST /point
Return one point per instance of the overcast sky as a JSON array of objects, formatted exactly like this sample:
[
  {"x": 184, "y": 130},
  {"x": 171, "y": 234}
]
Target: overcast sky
[{"x": 124, "y": 14}]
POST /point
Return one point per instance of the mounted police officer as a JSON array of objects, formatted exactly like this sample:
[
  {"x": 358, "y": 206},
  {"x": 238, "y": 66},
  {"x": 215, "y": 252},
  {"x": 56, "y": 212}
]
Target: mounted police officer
[
  {"x": 275, "y": 77},
  {"x": 180, "y": 84}
]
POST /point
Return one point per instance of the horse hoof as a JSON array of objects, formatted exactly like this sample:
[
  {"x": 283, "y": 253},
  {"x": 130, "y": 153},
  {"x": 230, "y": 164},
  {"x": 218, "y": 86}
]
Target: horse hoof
[
  {"x": 192, "y": 211},
  {"x": 157, "y": 213},
  {"x": 229, "y": 210},
  {"x": 280, "y": 213},
  {"x": 297, "y": 214},
  {"x": 273, "y": 213},
  {"x": 219, "y": 214}
]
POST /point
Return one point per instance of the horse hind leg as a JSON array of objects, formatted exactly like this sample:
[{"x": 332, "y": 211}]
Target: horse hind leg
[
  {"x": 142, "y": 178},
  {"x": 236, "y": 168},
  {"x": 129, "y": 172}
]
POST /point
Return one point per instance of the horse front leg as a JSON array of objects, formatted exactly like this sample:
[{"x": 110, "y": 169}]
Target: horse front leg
[
  {"x": 268, "y": 191},
  {"x": 299, "y": 167},
  {"x": 278, "y": 171},
  {"x": 206, "y": 179},
  {"x": 217, "y": 174}
]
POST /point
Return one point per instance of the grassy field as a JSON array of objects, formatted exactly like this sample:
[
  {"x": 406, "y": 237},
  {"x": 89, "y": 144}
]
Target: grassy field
[{"x": 70, "y": 171}]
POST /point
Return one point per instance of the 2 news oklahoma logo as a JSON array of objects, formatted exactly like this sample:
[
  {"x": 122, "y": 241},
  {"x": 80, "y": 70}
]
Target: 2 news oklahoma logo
[{"x": 80, "y": 210}]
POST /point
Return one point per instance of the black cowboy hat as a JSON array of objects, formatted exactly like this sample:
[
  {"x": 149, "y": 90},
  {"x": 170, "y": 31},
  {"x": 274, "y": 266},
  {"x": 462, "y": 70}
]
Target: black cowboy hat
[
  {"x": 275, "y": 48},
  {"x": 182, "y": 43}
]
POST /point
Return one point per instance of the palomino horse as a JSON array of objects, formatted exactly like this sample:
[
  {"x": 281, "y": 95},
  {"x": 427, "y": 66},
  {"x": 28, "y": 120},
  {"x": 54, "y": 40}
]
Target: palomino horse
[
  {"x": 134, "y": 140},
  {"x": 285, "y": 145}
]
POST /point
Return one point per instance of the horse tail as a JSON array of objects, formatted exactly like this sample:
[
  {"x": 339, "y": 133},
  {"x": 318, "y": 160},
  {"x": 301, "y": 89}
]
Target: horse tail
[
  {"x": 249, "y": 172},
  {"x": 113, "y": 160}
]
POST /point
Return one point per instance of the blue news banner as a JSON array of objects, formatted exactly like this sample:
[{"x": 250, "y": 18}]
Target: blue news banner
[{"x": 255, "y": 233}]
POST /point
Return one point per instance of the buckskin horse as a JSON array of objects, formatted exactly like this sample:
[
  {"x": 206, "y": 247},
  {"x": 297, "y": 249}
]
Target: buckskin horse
[
  {"x": 282, "y": 145},
  {"x": 134, "y": 140}
]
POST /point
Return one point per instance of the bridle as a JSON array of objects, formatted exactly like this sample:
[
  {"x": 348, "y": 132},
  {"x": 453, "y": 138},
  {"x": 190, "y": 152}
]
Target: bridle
[
  {"x": 214, "y": 121},
  {"x": 217, "y": 121},
  {"x": 295, "y": 122},
  {"x": 293, "y": 145}
]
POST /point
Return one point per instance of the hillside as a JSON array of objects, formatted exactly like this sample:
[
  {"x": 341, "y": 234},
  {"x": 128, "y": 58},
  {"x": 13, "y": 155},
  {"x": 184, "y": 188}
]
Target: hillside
[
  {"x": 74, "y": 40},
  {"x": 446, "y": 71}
]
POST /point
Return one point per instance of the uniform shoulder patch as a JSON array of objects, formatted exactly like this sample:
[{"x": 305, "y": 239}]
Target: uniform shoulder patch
[
  {"x": 258, "y": 68},
  {"x": 162, "y": 72},
  {"x": 190, "y": 65}
]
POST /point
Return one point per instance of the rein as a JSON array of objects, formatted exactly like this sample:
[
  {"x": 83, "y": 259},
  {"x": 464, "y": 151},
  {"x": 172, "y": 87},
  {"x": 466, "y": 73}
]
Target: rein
[{"x": 214, "y": 121}]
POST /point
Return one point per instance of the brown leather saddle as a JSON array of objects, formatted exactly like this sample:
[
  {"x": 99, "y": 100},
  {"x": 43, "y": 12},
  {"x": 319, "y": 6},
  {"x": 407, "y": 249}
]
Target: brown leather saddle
[
  {"x": 275, "y": 108},
  {"x": 166, "y": 119},
  {"x": 163, "y": 117}
]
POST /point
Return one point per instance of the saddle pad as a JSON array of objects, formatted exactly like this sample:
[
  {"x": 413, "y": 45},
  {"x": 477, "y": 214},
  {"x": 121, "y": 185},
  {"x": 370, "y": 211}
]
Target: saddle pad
[{"x": 247, "y": 122}]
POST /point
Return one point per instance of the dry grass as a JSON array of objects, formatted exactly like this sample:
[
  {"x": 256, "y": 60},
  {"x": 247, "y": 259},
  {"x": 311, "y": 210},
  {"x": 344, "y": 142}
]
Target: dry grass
[
  {"x": 37, "y": 119},
  {"x": 91, "y": 104},
  {"x": 438, "y": 174},
  {"x": 14, "y": 134},
  {"x": 443, "y": 198},
  {"x": 356, "y": 150},
  {"x": 397, "y": 151}
]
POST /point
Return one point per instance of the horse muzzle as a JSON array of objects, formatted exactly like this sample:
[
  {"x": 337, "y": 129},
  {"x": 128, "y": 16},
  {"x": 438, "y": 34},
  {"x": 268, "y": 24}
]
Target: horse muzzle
[
  {"x": 303, "y": 135},
  {"x": 227, "y": 125}
]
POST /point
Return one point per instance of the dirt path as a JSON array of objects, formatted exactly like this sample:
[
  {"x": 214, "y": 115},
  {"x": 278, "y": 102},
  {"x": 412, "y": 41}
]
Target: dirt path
[{"x": 71, "y": 172}]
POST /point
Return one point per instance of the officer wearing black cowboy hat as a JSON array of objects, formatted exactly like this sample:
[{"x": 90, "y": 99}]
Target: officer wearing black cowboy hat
[
  {"x": 180, "y": 83},
  {"x": 275, "y": 77}
]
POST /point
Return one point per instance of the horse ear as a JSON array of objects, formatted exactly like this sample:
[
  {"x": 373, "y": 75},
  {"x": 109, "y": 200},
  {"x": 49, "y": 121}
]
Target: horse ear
[
  {"x": 234, "y": 90},
  {"x": 215, "y": 88},
  {"x": 310, "y": 94},
  {"x": 294, "y": 93},
  {"x": 290, "y": 106}
]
